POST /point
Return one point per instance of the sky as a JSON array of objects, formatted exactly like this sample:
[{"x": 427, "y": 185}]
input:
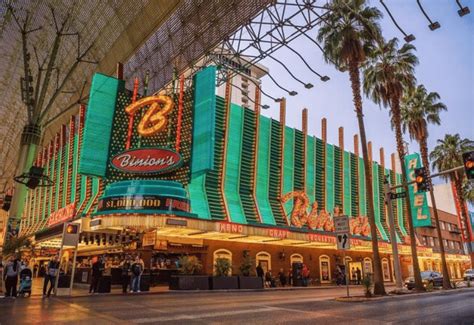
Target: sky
[{"x": 446, "y": 66}]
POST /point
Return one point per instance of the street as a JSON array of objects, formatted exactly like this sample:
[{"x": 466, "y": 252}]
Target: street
[{"x": 314, "y": 306}]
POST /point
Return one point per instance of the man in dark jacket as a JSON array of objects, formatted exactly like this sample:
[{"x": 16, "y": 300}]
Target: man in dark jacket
[
  {"x": 11, "y": 277},
  {"x": 50, "y": 277},
  {"x": 97, "y": 269}
]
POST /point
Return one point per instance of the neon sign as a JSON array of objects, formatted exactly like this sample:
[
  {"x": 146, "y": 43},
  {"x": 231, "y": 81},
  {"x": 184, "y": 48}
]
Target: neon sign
[
  {"x": 156, "y": 117},
  {"x": 147, "y": 160}
]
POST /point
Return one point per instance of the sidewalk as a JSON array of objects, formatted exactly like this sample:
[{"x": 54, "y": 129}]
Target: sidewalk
[{"x": 82, "y": 290}]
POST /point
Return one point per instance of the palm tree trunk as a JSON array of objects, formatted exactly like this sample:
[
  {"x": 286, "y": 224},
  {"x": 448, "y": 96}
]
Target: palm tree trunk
[
  {"x": 396, "y": 119},
  {"x": 462, "y": 206},
  {"x": 444, "y": 265},
  {"x": 379, "y": 288}
]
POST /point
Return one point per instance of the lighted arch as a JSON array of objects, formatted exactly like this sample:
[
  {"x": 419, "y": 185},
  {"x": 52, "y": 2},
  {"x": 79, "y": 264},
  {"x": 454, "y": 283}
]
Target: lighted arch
[
  {"x": 385, "y": 269},
  {"x": 294, "y": 258},
  {"x": 222, "y": 253},
  {"x": 325, "y": 269},
  {"x": 265, "y": 259}
]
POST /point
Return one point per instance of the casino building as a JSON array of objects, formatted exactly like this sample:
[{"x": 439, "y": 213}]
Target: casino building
[{"x": 195, "y": 173}]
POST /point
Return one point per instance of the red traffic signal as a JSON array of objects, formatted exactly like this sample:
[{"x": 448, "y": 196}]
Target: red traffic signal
[
  {"x": 468, "y": 158},
  {"x": 421, "y": 179}
]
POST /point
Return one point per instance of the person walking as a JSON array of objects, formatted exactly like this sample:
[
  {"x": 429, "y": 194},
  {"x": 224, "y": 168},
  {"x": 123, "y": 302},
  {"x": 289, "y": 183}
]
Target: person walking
[
  {"x": 358, "y": 276},
  {"x": 282, "y": 277},
  {"x": 50, "y": 276},
  {"x": 290, "y": 277},
  {"x": 137, "y": 271},
  {"x": 259, "y": 271},
  {"x": 305, "y": 275},
  {"x": 97, "y": 269},
  {"x": 12, "y": 268},
  {"x": 125, "y": 267},
  {"x": 2, "y": 290}
]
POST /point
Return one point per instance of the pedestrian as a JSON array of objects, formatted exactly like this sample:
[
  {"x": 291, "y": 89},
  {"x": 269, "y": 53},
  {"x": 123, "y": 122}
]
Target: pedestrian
[
  {"x": 11, "y": 270},
  {"x": 51, "y": 272},
  {"x": 137, "y": 271},
  {"x": 97, "y": 269},
  {"x": 358, "y": 275},
  {"x": 125, "y": 267},
  {"x": 353, "y": 275},
  {"x": 305, "y": 275},
  {"x": 259, "y": 271},
  {"x": 290, "y": 276},
  {"x": 2, "y": 290},
  {"x": 282, "y": 277}
]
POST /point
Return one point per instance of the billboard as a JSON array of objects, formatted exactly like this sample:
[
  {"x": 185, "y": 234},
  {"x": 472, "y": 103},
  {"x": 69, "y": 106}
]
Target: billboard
[{"x": 418, "y": 203}]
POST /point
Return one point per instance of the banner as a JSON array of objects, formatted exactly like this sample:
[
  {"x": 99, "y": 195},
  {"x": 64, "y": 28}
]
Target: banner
[{"x": 419, "y": 205}]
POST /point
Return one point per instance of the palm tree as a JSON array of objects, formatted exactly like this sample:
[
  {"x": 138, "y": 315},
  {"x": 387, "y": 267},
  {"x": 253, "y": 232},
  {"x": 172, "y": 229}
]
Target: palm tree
[
  {"x": 347, "y": 33},
  {"x": 388, "y": 73},
  {"x": 447, "y": 155},
  {"x": 418, "y": 108}
]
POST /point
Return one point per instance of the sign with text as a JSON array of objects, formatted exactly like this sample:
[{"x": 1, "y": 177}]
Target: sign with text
[
  {"x": 147, "y": 161},
  {"x": 341, "y": 224},
  {"x": 419, "y": 205},
  {"x": 62, "y": 215},
  {"x": 143, "y": 202}
]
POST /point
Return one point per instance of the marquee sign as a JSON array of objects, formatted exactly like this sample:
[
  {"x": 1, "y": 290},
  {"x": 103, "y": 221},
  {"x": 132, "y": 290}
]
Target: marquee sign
[
  {"x": 62, "y": 215},
  {"x": 147, "y": 160},
  {"x": 144, "y": 202}
]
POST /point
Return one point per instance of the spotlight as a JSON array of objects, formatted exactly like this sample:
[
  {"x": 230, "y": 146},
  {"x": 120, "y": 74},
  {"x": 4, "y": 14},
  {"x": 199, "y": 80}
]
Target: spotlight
[
  {"x": 409, "y": 38},
  {"x": 265, "y": 106},
  {"x": 292, "y": 93},
  {"x": 463, "y": 11},
  {"x": 308, "y": 85},
  {"x": 434, "y": 25},
  {"x": 278, "y": 100},
  {"x": 325, "y": 78}
]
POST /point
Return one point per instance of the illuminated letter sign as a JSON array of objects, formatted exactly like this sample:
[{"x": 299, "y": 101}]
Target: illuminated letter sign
[
  {"x": 156, "y": 117},
  {"x": 147, "y": 160}
]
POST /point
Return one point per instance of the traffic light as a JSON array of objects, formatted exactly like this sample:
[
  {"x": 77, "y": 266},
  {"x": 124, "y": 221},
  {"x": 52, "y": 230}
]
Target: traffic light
[
  {"x": 468, "y": 158},
  {"x": 72, "y": 229},
  {"x": 421, "y": 179}
]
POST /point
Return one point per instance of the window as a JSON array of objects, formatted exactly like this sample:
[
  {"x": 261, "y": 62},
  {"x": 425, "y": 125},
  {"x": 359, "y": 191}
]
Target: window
[
  {"x": 385, "y": 270},
  {"x": 325, "y": 269},
  {"x": 223, "y": 253},
  {"x": 451, "y": 244},
  {"x": 265, "y": 261},
  {"x": 449, "y": 226},
  {"x": 442, "y": 225},
  {"x": 431, "y": 241},
  {"x": 294, "y": 258},
  {"x": 367, "y": 265},
  {"x": 425, "y": 240},
  {"x": 445, "y": 243}
]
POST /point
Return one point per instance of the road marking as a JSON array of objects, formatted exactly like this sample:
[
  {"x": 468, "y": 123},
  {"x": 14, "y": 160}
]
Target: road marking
[
  {"x": 197, "y": 316},
  {"x": 91, "y": 312}
]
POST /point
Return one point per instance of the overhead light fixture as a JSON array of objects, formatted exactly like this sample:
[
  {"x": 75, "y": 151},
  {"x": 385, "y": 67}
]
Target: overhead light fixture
[
  {"x": 409, "y": 38},
  {"x": 265, "y": 106},
  {"x": 464, "y": 11},
  {"x": 435, "y": 25},
  {"x": 308, "y": 85},
  {"x": 292, "y": 93},
  {"x": 325, "y": 78},
  {"x": 278, "y": 100}
]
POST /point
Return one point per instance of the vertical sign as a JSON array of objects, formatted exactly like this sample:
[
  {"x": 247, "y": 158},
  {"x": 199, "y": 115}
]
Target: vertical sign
[{"x": 419, "y": 205}]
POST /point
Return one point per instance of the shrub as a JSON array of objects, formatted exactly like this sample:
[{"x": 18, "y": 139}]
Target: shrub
[
  {"x": 429, "y": 286},
  {"x": 468, "y": 283},
  {"x": 189, "y": 265},
  {"x": 222, "y": 267},
  {"x": 367, "y": 283},
  {"x": 246, "y": 266}
]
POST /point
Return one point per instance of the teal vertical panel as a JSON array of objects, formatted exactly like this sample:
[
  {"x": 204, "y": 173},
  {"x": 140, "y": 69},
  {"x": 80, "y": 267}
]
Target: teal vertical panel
[
  {"x": 204, "y": 121},
  {"x": 288, "y": 167},
  {"x": 58, "y": 179},
  {"x": 52, "y": 175},
  {"x": 98, "y": 125},
  {"x": 330, "y": 178},
  {"x": 232, "y": 165},
  {"x": 263, "y": 171},
  {"x": 310, "y": 168},
  {"x": 75, "y": 159},
  {"x": 198, "y": 197},
  {"x": 66, "y": 171},
  {"x": 362, "y": 190},
  {"x": 400, "y": 207},
  {"x": 376, "y": 190},
  {"x": 347, "y": 183}
]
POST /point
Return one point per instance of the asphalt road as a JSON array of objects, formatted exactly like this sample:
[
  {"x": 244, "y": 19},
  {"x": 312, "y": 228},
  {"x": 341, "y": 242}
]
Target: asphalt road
[{"x": 269, "y": 307}]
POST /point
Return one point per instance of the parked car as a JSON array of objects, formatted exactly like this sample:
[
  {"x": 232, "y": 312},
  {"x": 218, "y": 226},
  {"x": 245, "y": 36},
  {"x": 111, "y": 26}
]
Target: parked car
[
  {"x": 469, "y": 275},
  {"x": 428, "y": 277}
]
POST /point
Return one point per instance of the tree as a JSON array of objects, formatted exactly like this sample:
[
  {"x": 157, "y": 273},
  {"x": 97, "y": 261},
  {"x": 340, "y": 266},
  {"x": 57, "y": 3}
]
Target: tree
[
  {"x": 347, "y": 33},
  {"x": 418, "y": 108},
  {"x": 388, "y": 73},
  {"x": 447, "y": 155}
]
